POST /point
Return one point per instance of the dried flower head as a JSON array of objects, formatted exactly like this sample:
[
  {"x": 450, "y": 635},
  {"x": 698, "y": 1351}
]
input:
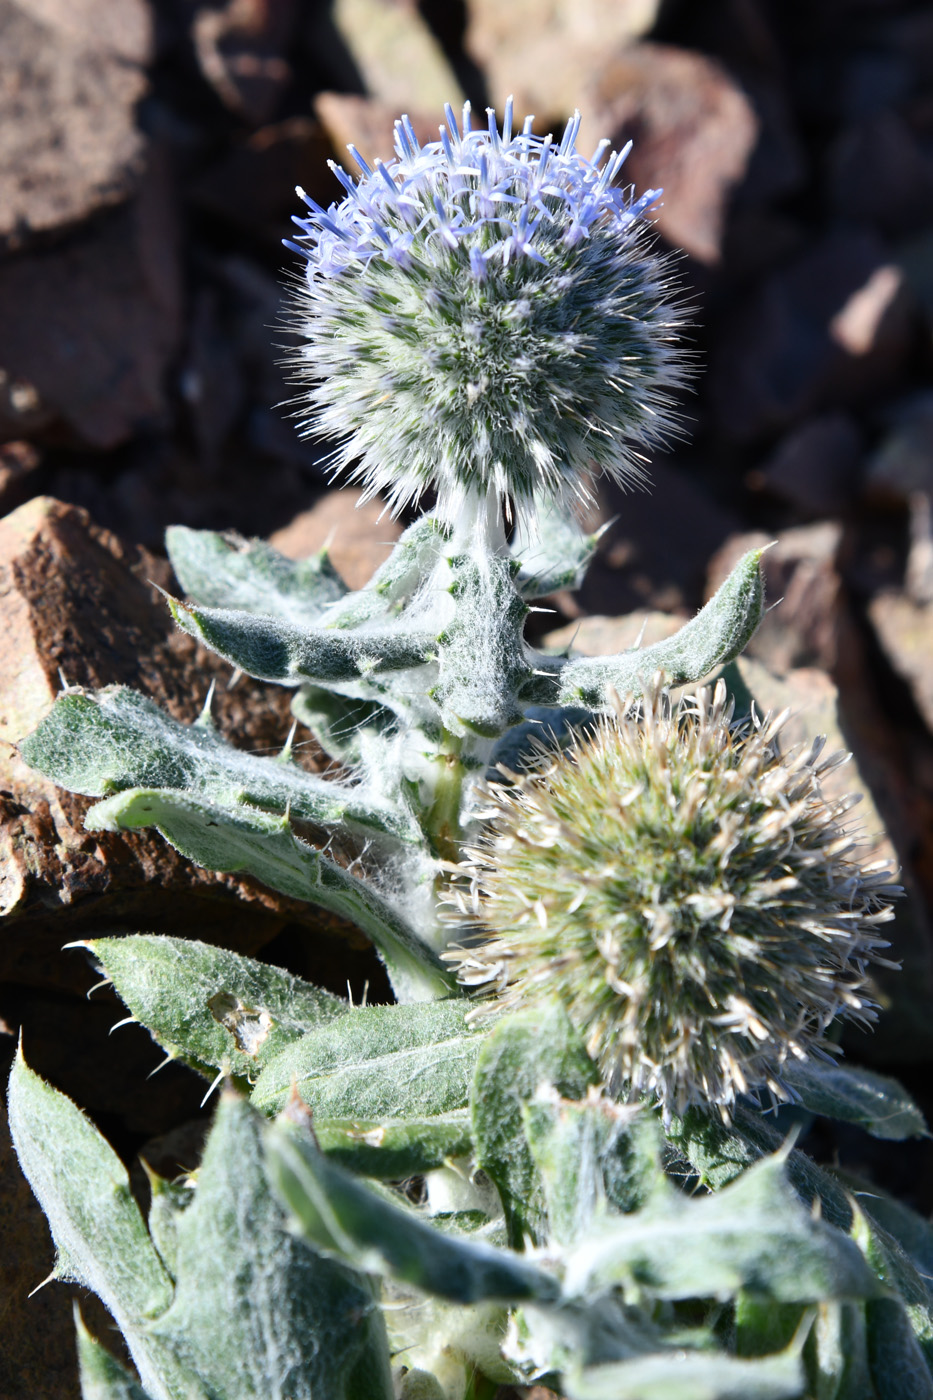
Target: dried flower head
[
  {"x": 486, "y": 311},
  {"x": 687, "y": 892}
]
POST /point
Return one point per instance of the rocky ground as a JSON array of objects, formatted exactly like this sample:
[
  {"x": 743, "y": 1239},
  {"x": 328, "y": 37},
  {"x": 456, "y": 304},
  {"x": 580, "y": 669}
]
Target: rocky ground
[{"x": 148, "y": 155}]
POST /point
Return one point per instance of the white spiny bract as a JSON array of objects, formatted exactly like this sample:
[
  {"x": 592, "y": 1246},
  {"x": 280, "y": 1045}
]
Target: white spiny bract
[
  {"x": 687, "y": 892},
  {"x": 486, "y": 312}
]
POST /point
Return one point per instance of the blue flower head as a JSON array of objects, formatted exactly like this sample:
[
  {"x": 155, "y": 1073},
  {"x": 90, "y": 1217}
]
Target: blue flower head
[{"x": 486, "y": 311}]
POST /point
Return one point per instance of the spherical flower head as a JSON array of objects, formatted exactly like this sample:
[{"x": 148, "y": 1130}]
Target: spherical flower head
[
  {"x": 687, "y": 893},
  {"x": 486, "y": 312}
]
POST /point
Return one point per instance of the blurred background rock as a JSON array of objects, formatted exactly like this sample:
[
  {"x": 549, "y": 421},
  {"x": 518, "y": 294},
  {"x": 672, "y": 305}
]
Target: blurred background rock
[{"x": 148, "y": 158}]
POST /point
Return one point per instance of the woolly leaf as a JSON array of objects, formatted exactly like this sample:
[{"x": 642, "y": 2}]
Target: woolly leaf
[
  {"x": 690, "y": 1375},
  {"x": 344, "y": 1217},
  {"x": 553, "y": 555},
  {"x": 98, "y": 1231},
  {"x": 266, "y": 847},
  {"x": 522, "y": 1053},
  {"x": 855, "y": 1095},
  {"x": 587, "y": 1153},
  {"x": 898, "y": 1368},
  {"x": 378, "y": 1063},
  {"x": 84, "y": 1190},
  {"x": 754, "y": 1234},
  {"x": 117, "y": 739},
  {"x": 228, "y": 571},
  {"x": 256, "y": 1313},
  {"x": 274, "y": 650},
  {"x": 336, "y": 721},
  {"x": 210, "y": 1007},
  {"x": 395, "y": 581},
  {"x": 719, "y": 632},
  {"x": 102, "y": 1375},
  {"x": 395, "y": 1148}
]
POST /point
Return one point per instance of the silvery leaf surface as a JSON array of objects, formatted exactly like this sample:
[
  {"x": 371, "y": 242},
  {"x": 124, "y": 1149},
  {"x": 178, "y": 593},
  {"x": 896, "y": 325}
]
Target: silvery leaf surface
[
  {"x": 116, "y": 739},
  {"x": 345, "y": 1218},
  {"x": 856, "y": 1095},
  {"x": 208, "y": 1006},
  {"x": 719, "y": 632},
  {"x": 266, "y": 847},
  {"x": 520, "y": 1054},
  {"x": 379, "y": 1063},
  {"x": 225, "y": 570}
]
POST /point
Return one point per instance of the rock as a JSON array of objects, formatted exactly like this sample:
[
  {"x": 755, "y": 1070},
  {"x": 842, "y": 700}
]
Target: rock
[
  {"x": 77, "y": 604},
  {"x": 392, "y": 53},
  {"x": 905, "y": 632},
  {"x": 902, "y": 464},
  {"x": 211, "y": 383},
  {"x": 18, "y": 464},
  {"x": 93, "y": 323},
  {"x": 694, "y": 131},
  {"x": 803, "y": 594},
  {"x": 544, "y": 52},
  {"x": 268, "y": 164},
  {"x": 815, "y": 468},
  {"x": 879, "y": 174},
  {"x": 832, "y": 328},
  {"x": 655, "y": 553},
  {"x": 368, "y": 124},
  {"x": 606, "y": 636},
  {"x": 71, "y": 77},
  {"x": 240, "y": 48},
  {"x": 359, "y": 537}
]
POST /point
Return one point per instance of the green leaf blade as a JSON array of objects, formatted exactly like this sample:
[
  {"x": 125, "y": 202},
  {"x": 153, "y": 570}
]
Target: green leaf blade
[{"x": 208, "y": 1006}]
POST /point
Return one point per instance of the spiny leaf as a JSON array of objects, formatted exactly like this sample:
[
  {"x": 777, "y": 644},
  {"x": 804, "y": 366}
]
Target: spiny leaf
[
  {"x": 378, "y": 1063},
  {"x": 342, "y": 1216},
  {"x": 690, "y": 1376},
  {"x": 102, "y": 1375},
  {"x": 395, "y": 581},
  {"x": 208, "y": 1006},
  {"x": 395, "y": 1148},
  {"x": 117, "y": 739},
  {"x": 897, "y": 1364},
  {"x": 257, "y": 1315},
  {"x": 554, "y": 555},
  {"x": 266, "y": 847},
  {"x": 520, "y": 1054},
  {"x": 754, "y": 1234},
  {"x": 855, "y": 1095},
  {"x": 273, "y": 650},
  {"x": 719, "y": 632},
  {"x": 227, "y": 571}
]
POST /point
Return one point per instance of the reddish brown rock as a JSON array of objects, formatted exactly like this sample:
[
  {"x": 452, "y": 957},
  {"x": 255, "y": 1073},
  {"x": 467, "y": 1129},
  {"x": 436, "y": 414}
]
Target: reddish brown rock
[
  {"x": 816, "y": 468},
  {"x": 389, "y": 52},
  {"x": 905, "y": 631},
  {"x": 694, "y": 131},
  {"x": 831, "y": 329},
  {"x": 18, "y": 464},
  {"x": 70, "y": 78},
  {"x": 544, "y": 52},
  {"x": 368, "y": 124},
  {"x": 240, "y": 48},
  {"x": 91, "y": 325},
  {"x": 359, "y": 537},
  {"x": 78, "y": 605}
]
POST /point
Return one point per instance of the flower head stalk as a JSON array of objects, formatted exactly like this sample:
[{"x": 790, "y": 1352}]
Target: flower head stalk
[
  {"x": 487, "y": 312},
  {"x": 687, "y": 892}
]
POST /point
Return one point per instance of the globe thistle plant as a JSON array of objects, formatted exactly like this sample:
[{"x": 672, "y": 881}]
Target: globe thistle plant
[
  {"x": 487, "y": 312},
  {"x": 687, "y": 892}
]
